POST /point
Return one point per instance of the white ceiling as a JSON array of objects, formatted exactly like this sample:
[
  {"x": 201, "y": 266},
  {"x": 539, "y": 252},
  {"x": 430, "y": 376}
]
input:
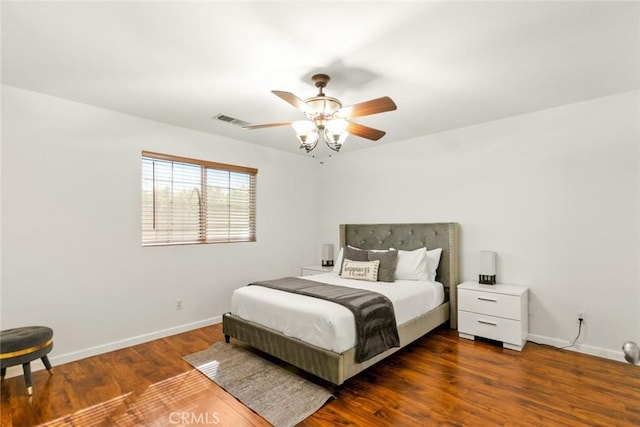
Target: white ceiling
[{"x": 445, "y": 64}]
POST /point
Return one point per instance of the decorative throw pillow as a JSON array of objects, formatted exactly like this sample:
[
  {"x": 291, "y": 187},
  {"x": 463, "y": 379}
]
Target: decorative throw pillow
[
  {"x": 354, "y": 254},
  {"x": 412, "y": 265},
  {"x": 360, "y": 270},
  {"x": 388, "y": 263}
]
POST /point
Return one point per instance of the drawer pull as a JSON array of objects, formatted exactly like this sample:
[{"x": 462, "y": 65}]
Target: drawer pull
[
  {"x": 484, "y": 322},
  {"x": 487, "y": 299}
]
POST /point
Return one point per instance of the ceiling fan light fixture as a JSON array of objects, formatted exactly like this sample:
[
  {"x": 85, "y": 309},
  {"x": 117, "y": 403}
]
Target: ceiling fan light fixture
[
  {"x": 324, "y": 105},
  {"x": 333, "y": 142},
  {"x": 336, "y": 133},
  {"x": 331, "y": 132},
  {"x": 307, "y": 134},
  {"x": 337, "y": 126}
]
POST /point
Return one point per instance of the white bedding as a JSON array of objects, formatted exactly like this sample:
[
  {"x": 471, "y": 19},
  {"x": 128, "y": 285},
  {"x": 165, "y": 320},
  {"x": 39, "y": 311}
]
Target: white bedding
[{"x": 326, "y": 324}]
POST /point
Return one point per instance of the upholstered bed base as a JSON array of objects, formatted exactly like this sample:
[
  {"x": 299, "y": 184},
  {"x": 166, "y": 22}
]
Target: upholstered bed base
[
  {"x": 337, "y": 368},
  {"x": 333, "y": 367}
]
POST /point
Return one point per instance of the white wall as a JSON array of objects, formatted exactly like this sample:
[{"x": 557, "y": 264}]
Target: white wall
[
  {"x": 71, "y": 252},
  {"x": 555, "y": 193}
]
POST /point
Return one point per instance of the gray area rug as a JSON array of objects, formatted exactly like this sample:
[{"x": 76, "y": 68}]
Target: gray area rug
[{"x": 276, "y": 394}]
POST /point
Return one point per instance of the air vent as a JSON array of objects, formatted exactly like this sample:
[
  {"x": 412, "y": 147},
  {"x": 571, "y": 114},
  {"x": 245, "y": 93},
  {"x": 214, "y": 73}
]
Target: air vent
[{"x": 231, "y": 120}]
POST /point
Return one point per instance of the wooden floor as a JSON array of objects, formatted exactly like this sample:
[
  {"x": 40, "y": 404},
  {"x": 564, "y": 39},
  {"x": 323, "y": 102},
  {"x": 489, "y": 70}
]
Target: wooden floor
[{"x": 440, "y": 379}]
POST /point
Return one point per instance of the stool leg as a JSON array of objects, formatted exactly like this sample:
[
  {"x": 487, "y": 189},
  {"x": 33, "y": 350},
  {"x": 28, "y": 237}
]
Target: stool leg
[
  {"x": 47, "y": 364},
  {"x": 4, "y": 372},
  {"x": 26, "y": 367}
]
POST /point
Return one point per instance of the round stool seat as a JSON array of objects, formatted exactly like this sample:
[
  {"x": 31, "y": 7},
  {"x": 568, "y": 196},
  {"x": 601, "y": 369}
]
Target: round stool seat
[
  {"x": 24, "y": 340},
  {"x": 20, "y": 346}
]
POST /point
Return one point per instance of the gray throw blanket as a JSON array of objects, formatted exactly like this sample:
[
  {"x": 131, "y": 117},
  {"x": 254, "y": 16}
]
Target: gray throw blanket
[{"x": 376, "y": 329}]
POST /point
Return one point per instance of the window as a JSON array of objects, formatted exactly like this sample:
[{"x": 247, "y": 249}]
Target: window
[{"x": 193, "y": 201}]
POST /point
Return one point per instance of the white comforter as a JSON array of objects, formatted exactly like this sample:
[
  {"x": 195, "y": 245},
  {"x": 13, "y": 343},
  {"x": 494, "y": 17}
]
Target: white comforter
[{"x": 326, "y": 324}]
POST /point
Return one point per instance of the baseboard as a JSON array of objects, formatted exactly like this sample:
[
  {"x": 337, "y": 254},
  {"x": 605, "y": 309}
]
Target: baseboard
[
  {"x": 60, "y": 359},
  {"x": 37, "y": 365},
  {"x": 606, "y": 353}
]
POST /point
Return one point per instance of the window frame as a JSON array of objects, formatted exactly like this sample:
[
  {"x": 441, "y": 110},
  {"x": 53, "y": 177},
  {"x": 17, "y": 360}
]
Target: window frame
[{"x": 203, "y": 207}]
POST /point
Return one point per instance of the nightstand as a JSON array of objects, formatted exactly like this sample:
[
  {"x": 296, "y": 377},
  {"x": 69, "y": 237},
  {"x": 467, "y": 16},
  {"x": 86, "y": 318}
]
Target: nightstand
[
  {"x": 310, "y": 270},
  {"x": 498, "y": 312}
]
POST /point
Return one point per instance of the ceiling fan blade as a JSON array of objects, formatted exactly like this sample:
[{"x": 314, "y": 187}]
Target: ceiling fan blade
[
  {"x": 374, "y": 106},
  {"x": 268, "y": 125},
  {"x": 365, "y": 131},
  {"x": 294, "y": 100}
]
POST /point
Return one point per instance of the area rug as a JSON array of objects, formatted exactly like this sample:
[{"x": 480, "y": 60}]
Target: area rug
[{"x": 273, "y": 392}]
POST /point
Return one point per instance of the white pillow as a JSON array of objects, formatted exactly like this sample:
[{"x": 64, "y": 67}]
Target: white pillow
[
  {"x": 433, "y": 260},
  {"x": 361, "y": 270},
  {"x": 412, "y": 265},
  {"x": 338, "y": 264}
]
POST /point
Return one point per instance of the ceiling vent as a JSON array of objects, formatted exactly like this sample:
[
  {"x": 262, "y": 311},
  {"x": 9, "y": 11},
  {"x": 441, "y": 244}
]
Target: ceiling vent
[{"x": 231, "y": 120}]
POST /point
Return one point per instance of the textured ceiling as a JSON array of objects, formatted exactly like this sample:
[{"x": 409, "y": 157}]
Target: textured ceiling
[{"x": 445, "y": 64}]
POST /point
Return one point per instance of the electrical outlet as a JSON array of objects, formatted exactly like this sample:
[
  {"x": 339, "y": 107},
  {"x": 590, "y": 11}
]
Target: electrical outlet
[
  {"x": 178, "y": 304},
  {"x": 582, "y": 316}
]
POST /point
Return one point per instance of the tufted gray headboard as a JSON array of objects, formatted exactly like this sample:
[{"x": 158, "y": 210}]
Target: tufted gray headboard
[{"x": 409, "y": 237}]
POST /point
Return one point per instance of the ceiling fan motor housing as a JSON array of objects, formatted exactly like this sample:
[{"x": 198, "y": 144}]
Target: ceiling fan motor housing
[{"x": 320, "y": 80}]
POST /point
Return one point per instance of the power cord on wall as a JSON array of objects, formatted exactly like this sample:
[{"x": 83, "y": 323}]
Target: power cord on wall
[{"x": 580, "y": 320}]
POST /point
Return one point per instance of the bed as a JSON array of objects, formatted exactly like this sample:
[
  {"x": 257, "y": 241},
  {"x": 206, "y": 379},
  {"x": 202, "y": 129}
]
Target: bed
[{"x": 337, "y": 366}]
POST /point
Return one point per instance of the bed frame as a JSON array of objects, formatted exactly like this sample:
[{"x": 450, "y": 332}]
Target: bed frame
[{"x": 337, "y": 368}]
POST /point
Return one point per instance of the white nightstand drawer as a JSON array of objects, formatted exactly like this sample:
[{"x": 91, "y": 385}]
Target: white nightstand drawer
[
  {"x": 495, "y": 328},
  {"x": 493, "y": 304}
]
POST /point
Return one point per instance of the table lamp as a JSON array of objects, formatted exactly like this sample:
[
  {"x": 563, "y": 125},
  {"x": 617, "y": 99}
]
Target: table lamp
[
  {"x": 327, "y": 255},
  {"x": 487, "y": 268}
]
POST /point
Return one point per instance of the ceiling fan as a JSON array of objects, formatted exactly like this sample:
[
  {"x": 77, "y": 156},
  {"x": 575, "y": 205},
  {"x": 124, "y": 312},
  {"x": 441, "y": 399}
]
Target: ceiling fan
[{"x": 327, "y": 120}]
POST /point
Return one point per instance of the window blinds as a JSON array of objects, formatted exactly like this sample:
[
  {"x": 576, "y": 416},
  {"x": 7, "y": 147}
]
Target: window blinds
[{"x": 188, "y": 201}]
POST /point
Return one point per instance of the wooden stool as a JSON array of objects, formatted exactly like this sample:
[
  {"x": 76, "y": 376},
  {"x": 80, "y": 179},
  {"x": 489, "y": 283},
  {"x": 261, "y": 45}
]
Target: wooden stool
[{"x": 19, "y": 346}]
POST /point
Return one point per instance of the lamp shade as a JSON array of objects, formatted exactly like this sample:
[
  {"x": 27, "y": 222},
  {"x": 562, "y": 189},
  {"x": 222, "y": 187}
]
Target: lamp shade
[
  {"x": 327, "y": 255},
  {"x": 307, "y": 134},
  {"x": 487, "y": 268},
  {"x": 487, "y": 263}
]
